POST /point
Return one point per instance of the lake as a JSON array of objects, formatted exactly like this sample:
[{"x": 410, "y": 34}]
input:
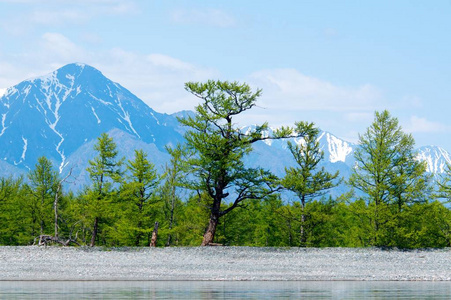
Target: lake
[{"x": 223, "y": 290}]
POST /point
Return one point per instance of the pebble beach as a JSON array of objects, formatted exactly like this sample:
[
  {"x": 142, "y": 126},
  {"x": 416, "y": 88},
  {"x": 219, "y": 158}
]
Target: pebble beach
[{"x": 223, "y": 264}]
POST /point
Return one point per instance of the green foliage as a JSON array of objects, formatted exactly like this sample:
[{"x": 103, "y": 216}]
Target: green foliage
[
  {"x": 15, "y": 215},
  {"x": 169, "y": 192},
  {"x": 256, "y": 224},
  {"x": 444, "y": 184},
  {"x": 43, "y": 185},
  {"x": 215, "y": 148},
  {"x": 307, "y": 180},
  {"x": 137, "y": 201},
  {"x": 191, "y": 224},
  {"x": 395, "y": 208},
  {"x": 388, "y": 174},
  {"x": 100, "y": 199}
]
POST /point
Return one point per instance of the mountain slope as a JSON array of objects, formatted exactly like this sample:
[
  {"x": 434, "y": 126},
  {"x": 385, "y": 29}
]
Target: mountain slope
[
  {"x": 54, "y": 115},
  {"x": 61, "y": 115}
]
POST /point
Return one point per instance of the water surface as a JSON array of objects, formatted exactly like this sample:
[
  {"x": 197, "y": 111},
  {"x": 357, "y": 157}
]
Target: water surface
[{"x": 222, "y": 290}]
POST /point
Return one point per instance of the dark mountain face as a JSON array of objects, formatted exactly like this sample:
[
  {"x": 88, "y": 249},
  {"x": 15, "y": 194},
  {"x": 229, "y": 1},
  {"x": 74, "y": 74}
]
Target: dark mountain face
[{"x": 56, "y": 114}]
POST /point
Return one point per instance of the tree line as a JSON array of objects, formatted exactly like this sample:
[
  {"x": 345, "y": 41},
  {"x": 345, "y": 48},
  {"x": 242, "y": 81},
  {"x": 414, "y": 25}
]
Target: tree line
[{"x": 207, "y": 195}]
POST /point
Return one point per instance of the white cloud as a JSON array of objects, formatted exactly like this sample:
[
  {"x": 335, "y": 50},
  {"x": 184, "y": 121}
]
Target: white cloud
[
  {"x": 61, "y": 48},
  {"x": 157, "y": 79},
  {"x": 91, "y": 38},
  {"x": 62, "y": 12},
  {"x": 366, "y": 117},
  {"x": 422, "y": 125},
  {"x": 210, "y": 17},
  {"x": 49, "y": 17},
  {"x": 292, "y": 90},
  {"x": 161, "y": 60},
  {"x": 2, "y": 92}
]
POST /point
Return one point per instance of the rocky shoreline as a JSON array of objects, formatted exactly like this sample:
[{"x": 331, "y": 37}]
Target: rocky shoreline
[{"x": 223, "y": 263}]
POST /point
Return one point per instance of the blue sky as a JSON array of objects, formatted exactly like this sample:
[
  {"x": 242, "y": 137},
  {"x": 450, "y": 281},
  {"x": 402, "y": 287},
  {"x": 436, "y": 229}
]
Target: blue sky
[{"x": 330, "y": 62}]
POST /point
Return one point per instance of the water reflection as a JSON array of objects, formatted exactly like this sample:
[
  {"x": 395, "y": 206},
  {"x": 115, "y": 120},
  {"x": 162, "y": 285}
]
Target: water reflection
[{"x": 222, "y": 290}]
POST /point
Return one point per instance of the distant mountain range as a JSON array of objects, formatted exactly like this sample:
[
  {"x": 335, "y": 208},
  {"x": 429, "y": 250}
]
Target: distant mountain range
[{"x": 60, "y": 115}]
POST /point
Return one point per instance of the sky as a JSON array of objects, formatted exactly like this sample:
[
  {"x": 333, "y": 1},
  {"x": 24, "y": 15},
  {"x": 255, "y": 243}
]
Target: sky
[{"x": 333, "y": 63}]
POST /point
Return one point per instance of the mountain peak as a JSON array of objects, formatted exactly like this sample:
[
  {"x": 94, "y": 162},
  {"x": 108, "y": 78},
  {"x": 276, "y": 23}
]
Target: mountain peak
[
  {"x": 77, "y": 68},
  {"x": 68, "y": 74},
  {"x": 55, "y": 114}
]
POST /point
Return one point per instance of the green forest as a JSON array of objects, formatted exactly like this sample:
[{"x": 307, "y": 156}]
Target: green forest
[{"x": 206, "y": 195}]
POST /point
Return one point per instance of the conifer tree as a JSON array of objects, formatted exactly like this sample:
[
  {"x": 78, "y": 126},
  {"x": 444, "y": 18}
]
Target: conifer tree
[
  {"x": 137, "y": 191},
  {"x": 44, "y": 182},
  {"x": 104, "y": 170},
  {"x": 387, "y": 172},
  {"x": 217, "y": 147},
  {"x": 307, "y": 180},
  {"x": 173, "y": 177},
  {"x": 15, "y": 212}
]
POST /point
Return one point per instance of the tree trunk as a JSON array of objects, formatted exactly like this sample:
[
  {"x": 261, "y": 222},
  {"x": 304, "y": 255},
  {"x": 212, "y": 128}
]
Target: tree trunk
[
  {"x": 303, "y": 240},
  {"x": 171, "y": 217},
  {"x": 42, "y": 227},
  {"x": 55, "y": 209},
  {"x": 211, "y": 230},
  {"x": 94, "y": 232},
  {"x": 153, "y": 241}
]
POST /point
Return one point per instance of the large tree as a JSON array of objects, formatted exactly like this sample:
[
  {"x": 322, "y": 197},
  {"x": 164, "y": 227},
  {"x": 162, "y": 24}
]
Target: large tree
[
  {"x": 386, "y": 170},
  {"x": 217, "y": 147},
  {"x": 104, "y": 170},
  {"x": 307, "y": 180}
]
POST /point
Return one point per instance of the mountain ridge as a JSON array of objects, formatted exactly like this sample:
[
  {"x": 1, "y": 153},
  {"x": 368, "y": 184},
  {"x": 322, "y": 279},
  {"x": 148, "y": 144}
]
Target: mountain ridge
[
  {"x": 69, "y": 107},
  {"x": 61, "y": 114}
]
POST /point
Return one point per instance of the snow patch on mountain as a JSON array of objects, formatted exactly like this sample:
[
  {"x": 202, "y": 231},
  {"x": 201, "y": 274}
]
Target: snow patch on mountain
[
  {"x": 95, "y": 115},
  {"x": 2, "y": 92},
  {"x": 338, "y": 149},
  {"x": 126, "y": 117},
  {"x": 436, "y": 158},
  {"x": 24, "y": 151},
  {"x": 60, "y": 112},
  {"x": 3, "y": 124}
]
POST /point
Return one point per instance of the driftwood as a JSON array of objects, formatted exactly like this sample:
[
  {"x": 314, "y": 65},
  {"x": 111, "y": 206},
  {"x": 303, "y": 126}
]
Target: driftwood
[
  {"x": 214, "y": 244},
  {"x": 44, "y": 240}
]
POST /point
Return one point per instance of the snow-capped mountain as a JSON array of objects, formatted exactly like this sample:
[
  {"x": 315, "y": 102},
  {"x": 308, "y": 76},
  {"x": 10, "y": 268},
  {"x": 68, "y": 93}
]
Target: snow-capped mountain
[
  {"x": 62, "y": 114},
  {"x": 338, "y": 154},
  {"x": 56, "y": 114},
  {"x": 436, "y": 158}
]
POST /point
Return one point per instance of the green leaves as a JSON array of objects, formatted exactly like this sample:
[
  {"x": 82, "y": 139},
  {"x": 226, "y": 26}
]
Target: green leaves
[
  {"x": 306, "y": 180},
  {"x": 104, "y": 170},
  {"x": 222, "y": 99},
  {"x": 387, "y": 172},
  {"x": 43, "y": 185},
  {"x": 215, "y": 147},
  {"x": 105, "y": 166}
]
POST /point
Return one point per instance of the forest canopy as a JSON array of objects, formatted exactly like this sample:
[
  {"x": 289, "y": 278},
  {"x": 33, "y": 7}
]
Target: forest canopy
[{"x": 207, "y": 195}]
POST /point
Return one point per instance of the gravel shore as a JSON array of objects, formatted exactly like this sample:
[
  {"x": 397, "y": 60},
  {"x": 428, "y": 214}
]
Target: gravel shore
[{"x": 222, "y": 263}]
